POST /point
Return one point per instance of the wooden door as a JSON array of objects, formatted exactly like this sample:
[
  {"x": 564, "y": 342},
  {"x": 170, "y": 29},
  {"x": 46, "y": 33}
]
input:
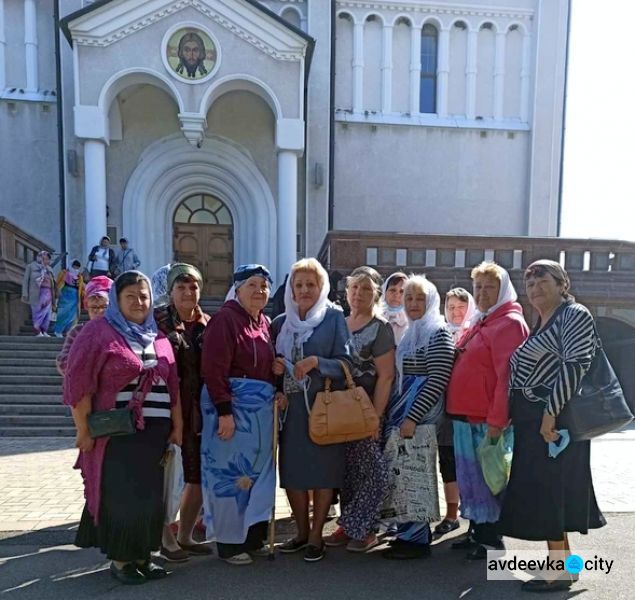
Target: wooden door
[{"x": 210, "y": 248}]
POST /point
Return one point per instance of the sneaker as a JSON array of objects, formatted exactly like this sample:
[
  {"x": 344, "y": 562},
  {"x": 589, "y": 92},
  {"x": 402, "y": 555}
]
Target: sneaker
[
  {"x": 59, "y": 335},
  {"x": 40, "y": 334},
  {"x": 44, "y": 334},
  {"x": 370, "y": 541},
  {"x": 339, "y": 538},
  {"x": 292, "y": 545},
  {"x": 314, "y": 553},
  {"x": 239, "y": 559}
]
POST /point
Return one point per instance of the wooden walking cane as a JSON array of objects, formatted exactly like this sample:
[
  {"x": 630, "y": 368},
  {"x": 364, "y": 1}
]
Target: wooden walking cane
[{"x": 272, "y": 522}]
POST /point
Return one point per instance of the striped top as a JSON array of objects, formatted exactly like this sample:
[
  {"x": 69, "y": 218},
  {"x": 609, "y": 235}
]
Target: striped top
[
  {"x": 434, "y": 361},
  {"x": 548, "y": 367},
  {"x": 157, "y": 402}
]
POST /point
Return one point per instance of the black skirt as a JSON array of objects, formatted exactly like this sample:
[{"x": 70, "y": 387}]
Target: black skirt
[
  {"x": 131, "y": 508},
  {"x": 546, "y": 497}
]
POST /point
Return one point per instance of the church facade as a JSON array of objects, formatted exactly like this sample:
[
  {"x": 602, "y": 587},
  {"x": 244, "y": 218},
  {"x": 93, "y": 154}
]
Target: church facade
[{"x": 229, "y": 131}]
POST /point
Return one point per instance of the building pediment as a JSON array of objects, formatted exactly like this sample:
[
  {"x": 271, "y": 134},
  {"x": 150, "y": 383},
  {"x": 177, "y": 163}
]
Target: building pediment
[{"x": 108, "y": 21}]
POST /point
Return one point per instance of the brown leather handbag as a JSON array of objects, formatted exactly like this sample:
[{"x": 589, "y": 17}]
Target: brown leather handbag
[{"x": 343, "y": 416}]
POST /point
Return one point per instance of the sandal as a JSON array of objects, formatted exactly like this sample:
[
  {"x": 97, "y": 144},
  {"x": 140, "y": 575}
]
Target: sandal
[
  {"x": 239, "y": 559},
  {"x": 293, "y": 545},
  {"x": 446, "y": 526}
]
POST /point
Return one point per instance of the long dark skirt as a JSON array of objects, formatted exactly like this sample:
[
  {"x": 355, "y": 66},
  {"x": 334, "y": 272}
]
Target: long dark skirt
[
  {"x": 131, "y": 508},
  {"x": 546, "y": 497}
]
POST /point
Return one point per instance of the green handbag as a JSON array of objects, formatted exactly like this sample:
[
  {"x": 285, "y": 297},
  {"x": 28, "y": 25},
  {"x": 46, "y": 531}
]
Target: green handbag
[{"x": 107, "y": 423}]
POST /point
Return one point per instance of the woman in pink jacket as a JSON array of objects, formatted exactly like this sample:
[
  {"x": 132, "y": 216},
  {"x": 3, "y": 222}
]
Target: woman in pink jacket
[{"x": 477, "y": 399}]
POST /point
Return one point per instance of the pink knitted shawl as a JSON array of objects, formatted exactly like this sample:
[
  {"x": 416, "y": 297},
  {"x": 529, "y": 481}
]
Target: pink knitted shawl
[{"x": 100, "y": 364}]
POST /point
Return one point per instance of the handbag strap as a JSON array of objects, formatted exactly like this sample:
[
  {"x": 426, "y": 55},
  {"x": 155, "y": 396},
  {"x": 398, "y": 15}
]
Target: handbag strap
[{"x": 350, "y": 382}]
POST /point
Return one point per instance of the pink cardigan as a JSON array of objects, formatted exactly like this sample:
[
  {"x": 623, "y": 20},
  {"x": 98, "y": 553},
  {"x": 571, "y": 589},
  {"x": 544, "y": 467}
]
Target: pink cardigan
[{"x": 100, "y": 364}]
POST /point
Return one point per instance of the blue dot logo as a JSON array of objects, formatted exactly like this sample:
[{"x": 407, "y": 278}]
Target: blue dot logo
[{"x": 574, "y": 564}]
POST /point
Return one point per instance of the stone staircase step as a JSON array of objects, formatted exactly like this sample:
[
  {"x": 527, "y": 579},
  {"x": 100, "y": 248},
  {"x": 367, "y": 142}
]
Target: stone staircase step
[
  {"x": 21, "y": 380},
  {"x": 30, "y": 340},
  {"x": 34, "y": 399},
  {"x": 20, "y": 432},
  {"x": 44, "y": 369},
  {"x": 27, "y": 359},
  {"x": 35, "y": 420},
  {"x": 14, "y": 408},
  {"x": 18, "y": 390},
  {"x": 27, "y": 355}
]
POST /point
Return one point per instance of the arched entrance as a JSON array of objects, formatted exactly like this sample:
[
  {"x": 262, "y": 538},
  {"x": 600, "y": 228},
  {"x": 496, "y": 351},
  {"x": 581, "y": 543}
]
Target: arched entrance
[{"x": 204, "y": 237}]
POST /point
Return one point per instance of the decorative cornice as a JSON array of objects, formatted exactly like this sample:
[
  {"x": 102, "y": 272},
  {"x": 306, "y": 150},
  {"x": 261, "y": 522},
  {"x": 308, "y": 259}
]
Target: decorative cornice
[
  {"x": 84, "y": 39},
  {"x": 466, "y": 10}
]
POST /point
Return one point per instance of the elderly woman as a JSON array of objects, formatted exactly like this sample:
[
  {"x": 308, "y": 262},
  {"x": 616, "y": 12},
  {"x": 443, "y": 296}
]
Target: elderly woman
[
  {"x": 238, "y": 479},
  {"x": 477, "y": 399},
  {"x": 459, "y": 309},
  {"x": 95, "y": 302},
  {"x": 424, "y": 359},
  {"x": 372, "y": 346},
  {"x": 549, "y": 496},
  {"x": 120, "y": 361},
  {"x": 70, "y": 283},
  {"x": 392, "y": 309},
  {"x": 183, "y": 323},
  {"x": 310, "y": 339},
  {"x": 40, "y": 292}
]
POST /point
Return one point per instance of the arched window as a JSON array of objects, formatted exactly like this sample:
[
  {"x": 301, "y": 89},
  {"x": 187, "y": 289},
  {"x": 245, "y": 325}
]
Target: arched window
[
  {"x": 202, "y": 210},
  {"x": 428, "y": 89}
]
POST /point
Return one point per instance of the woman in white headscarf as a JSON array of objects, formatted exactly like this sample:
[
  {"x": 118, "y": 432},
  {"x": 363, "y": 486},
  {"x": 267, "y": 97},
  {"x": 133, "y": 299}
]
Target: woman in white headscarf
[
  {"x": 311, "y": 342},
  {"x": 424, "y": 361},
  {"x": 392, "y": 304},
  {"x": 478, "y": 399},
  {"x": 459, "y": 310}
]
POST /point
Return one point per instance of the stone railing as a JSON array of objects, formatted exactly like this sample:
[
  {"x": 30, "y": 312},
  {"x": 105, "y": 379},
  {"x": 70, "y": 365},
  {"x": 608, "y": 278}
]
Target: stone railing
[{"x": 600, "y": 270}]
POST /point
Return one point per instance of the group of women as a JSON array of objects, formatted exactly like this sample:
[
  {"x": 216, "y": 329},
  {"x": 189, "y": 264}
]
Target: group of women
[{"x": 440, "y": 387}]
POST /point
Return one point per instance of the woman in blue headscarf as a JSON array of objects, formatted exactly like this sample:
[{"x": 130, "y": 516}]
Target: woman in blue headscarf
[{"x": 121, "y": 361}]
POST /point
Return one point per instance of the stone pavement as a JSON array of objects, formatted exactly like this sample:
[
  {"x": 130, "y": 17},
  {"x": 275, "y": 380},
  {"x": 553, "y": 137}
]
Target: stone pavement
[{"x": 39, "y": 488}]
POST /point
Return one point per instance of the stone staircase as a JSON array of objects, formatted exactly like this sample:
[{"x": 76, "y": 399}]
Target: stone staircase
[{"x": 31, "y": 388}]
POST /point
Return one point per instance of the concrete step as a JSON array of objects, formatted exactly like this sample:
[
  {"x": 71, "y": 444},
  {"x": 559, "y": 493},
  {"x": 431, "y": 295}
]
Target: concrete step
[
  {"x": 35, "y": 421},
  {"x": 36, "y": 399},
  {"x": 20, "y": 380},
  {"x": 18, "y": 390},
  {"x": 30, "y": 341},
  {"x": 47, "y": 369},
  {"x": 25, "y": 357},
  {"x": 35, "y": 409},
  {"x": 20, "y": 361},
  {"x": 20, "y": 432}
]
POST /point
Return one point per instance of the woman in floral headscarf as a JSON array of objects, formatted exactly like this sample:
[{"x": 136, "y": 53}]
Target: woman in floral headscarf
[
  {"x": 39, "y": 290},
  {"x": 122, "y": 361},
  {"x": 70, "y": 283}
]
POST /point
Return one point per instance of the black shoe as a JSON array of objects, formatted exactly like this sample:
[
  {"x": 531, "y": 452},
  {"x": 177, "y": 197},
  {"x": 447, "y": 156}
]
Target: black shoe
[
  {"x": 407, "y": 551},
  {"x": 480, "y": 552},
  {"x": 314, "y": 553},
  {"x": 151, "y": 570},
  {"x": 446, "y": 526},
  {"x": 542, "y": 586},
  {"x": 292, "y": 545},
  {"x": 129, "y": 574},
  {"x": 467, "y": 543}
]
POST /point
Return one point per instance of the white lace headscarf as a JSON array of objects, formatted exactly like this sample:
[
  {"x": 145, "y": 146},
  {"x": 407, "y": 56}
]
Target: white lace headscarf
[
  {"x": 419, "y": 332},
  {"x": 506, "y": 293},
  {"x": 457, "y": 330},
  {"x": 295, "y": 331}
]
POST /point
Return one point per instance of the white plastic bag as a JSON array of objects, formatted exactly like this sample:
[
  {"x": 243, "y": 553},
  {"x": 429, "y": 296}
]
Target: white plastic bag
[{"x": 173, "y": 483}]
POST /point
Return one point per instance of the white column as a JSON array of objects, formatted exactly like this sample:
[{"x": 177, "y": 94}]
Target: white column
[
  {"x": 3, "y": 45},
  {"x": 386, "y": 71},
  {"x": 287, "y": 210},
  {"x": 524, "y": 79},
  {"x": 30, "y": 45},
  {"x": 443, "y": 72},
  {"x": 470, "y": 74},
  {"x": 358, "y": 67},
  {"x": 95, "y": 191},
  {"x": 415, "y": 69},
  {"x": 499, "y": 76}
]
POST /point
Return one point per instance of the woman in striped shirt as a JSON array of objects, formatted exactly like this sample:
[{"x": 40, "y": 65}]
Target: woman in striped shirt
[
  {"x": 549, "y": 495},
  {"x": 424, "y": 360}
]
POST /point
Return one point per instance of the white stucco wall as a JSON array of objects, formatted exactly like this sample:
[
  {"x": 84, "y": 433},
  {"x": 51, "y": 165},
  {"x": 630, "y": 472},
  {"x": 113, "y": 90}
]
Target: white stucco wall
[{"x": 430, "y": 180}]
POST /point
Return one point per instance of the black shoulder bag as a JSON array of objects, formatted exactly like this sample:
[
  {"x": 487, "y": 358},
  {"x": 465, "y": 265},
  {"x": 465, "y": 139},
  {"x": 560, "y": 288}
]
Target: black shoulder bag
[{"x": 598, "y": 406}]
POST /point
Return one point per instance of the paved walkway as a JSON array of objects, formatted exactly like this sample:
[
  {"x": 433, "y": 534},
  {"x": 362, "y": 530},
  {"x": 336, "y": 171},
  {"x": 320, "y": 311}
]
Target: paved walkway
[{"x": 39, "y": 489}]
